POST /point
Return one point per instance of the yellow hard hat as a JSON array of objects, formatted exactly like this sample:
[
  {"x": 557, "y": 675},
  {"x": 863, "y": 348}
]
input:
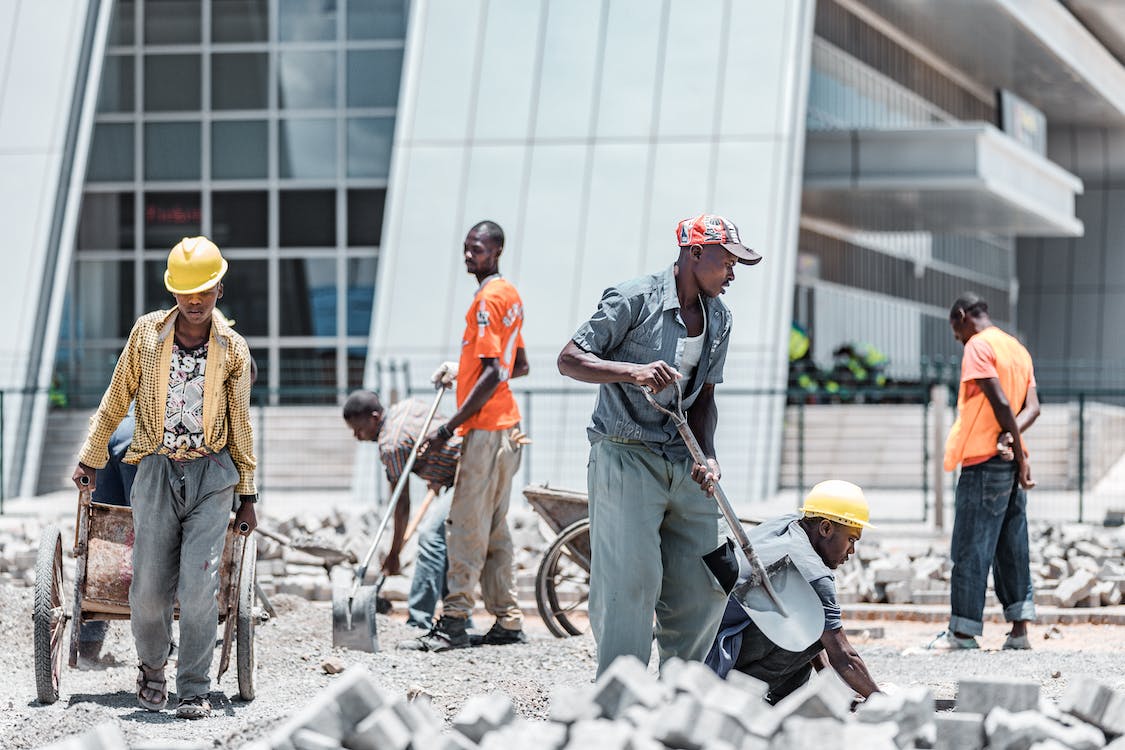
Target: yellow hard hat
[
  {"x": 194, "y": 265},
  {"x": 839, "y": 501}
]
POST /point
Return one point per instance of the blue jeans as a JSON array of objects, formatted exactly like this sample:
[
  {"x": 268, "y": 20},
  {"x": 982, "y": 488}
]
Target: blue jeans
[
  {"x": 430, "y": 565},
  {"x": 990, "y": 530}
]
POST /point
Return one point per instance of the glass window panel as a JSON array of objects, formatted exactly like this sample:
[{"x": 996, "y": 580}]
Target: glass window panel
[
  {"x": 92, "y": 374},
  {"x": 307, "y": 148},
  {"x": 117, "y": 92},
  {"x": 169, "y": 217},
  {"x": 172, "y": 83},
  {"x": 239, "y": 81},
  {"x": 106, "y": 222},
  {"x": 307, "y": 218},
  {"x": 361, "y": 294},
  {"x": 104, "y": 293},
  {"x": 111, "y": 153},
  {"x": 239, "y": 21},
  {"x": 307, "y": 80},
  {"x": 308, "y": 291},
  {"x": 240, "y": 218},
  {"x": 245, "y": 291},
  {"x": 308, "y": 376},
  {"x": 365, "y": 217},
  {"x": 377, "y": 19},
  {"x": 369, "y": 146},
  {"x": 357, "y": 362},
  {"x": 173, "y": 22},
  {"x": 172, "y": 151},
  {"x": 306, "y": 20},
  {"x": 239, "y": 149},
  {"x": 122, "y": 28},
  {"x": 373, "y": 77}
]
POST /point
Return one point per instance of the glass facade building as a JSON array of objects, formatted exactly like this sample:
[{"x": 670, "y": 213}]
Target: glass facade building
[{"x": 263, "y": 124}]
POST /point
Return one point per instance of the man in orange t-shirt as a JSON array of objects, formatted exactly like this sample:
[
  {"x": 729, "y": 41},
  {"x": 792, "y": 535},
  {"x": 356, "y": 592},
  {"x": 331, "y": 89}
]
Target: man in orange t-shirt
[
  {"x": 996, "y": 403},
  {"x": 479, "y": 543}
]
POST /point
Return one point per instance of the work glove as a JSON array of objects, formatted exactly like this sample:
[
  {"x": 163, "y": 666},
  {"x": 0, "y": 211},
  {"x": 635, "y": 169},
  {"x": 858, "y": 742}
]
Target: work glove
[{"x": 445, "y": 375}]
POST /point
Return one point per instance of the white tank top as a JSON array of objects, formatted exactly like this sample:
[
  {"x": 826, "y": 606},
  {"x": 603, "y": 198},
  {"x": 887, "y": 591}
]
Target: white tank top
[{"x": 693, "y": 349}]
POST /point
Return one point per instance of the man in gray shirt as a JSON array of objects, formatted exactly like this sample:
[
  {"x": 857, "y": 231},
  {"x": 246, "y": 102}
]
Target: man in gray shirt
[
  {"x": 819, "y": 538},
  {"x": 650, "y": 521}
]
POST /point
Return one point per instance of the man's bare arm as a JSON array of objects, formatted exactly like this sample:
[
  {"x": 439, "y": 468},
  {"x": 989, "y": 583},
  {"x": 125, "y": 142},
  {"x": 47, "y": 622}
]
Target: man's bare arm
[
  {"x": 520, "y": 366},
  {"x": 990, "y": 387},
  {"x": 588, "y": 367},
  {"x": 847, "y": 662}
]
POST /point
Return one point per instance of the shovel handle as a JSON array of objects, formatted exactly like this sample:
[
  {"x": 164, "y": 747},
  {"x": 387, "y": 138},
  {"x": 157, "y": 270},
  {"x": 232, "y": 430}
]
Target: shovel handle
[
  {"x": 361, "y": 571},
  {"x": 413, "y": 525},
  {"x": 725, "y": 507}
]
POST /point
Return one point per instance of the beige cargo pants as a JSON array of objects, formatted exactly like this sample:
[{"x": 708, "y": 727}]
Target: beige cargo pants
[{"x": 477, "y": 536}]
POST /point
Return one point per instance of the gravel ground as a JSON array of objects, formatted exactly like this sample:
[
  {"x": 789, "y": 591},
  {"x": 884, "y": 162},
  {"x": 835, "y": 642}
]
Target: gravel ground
[{"x": 292, "y": 648}]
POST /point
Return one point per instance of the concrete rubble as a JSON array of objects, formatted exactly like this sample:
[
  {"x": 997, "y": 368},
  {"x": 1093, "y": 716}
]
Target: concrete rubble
[{"x": 688, "y": 707}]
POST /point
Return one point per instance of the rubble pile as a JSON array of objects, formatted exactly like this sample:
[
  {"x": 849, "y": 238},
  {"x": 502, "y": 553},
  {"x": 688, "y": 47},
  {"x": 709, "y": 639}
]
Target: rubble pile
[
  {"x": 1071, "y": 566},
  {"x": 690, "y": 708}
]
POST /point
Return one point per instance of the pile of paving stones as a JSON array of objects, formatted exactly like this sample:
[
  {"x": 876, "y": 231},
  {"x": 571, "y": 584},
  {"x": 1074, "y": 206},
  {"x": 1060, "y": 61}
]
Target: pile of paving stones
[
  {"x": 690, "y": 708},
  {"x": 1071, "y": 565}
]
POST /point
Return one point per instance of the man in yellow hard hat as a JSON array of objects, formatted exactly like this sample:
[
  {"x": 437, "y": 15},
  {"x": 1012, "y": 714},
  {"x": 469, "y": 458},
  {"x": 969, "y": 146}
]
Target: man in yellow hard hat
[
  {"x": 189, "y": 374},
  {"x": 820, "y": 537}
]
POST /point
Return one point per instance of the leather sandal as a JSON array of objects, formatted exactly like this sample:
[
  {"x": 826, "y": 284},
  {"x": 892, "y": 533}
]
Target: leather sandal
[
  {"x": 197, "y": 707},
  {"x": 148, "y": 684}
]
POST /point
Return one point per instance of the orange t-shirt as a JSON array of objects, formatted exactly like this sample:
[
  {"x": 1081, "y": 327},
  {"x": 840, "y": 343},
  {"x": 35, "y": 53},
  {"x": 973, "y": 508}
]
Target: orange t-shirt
[
  {"x": 991, "y": 353},
  {"x": 493, "y": 328}
]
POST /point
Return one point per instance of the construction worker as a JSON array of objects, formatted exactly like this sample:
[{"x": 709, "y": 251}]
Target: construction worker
[
  {"x": 190, "y": 376},
  {"x": 651, "y": 519},
  {"x": 820, "y": 537}
]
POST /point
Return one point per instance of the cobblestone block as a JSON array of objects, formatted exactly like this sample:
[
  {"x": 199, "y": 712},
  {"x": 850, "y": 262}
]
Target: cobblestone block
[
  {"x": 800, "y": 733},
  {"x": 1098, "y": 704},
  {"x": 1076, "y": 587},
  {"x": 483, "y": 714},
  {"x": 105, "y": 736},
  {"x": 626, "y": 682},
  {"x": 600, "y": 733},
  {"x": 910, "y": 710},
  {"x": 692, "y": 677},
  {"x": 569, "y": 705},
  {"x": 958, "y": 731},
  {"x": 307, "y": 739},
  {"x": 981, "y": 695},
  {"x": 434, "y": 738},
  {"x": 1008, "y": 730},
  {"x": 382, "y": 730},
  {"x": 521, "y": 733}
]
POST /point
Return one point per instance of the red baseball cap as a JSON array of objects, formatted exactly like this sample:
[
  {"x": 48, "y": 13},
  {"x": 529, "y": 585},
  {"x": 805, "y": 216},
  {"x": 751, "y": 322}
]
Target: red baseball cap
[{"x": 710, "y": 229}]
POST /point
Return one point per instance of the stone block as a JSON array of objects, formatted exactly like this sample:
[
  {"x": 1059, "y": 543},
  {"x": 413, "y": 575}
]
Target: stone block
[
  {"x": 1098, "y": 704},
  {"x": 691, "y": 725},
  {"x": 105, "y": 736},
  {"x": 626, "y": 682},
  {"x": 483, "y": 714},
  {"x": 434, "y": 738},
  {"x": 692, "y": 677},
  {"x": 307, "y": 739},
  {"x": 521, "y": 733},
  {"x": 981, "y": 695},
  {"x": 909, "y": 710},
  {"x": 747, "y": 684},
  {"x": 930, "y": 597},
  {"x": 800, "y": 733},
  {"x": 1075, "y": 588},
  {"x": 569, "y": 705},
  {"x": 600, "y": 733},
  {"x": 1015, "y": 731},
  {"x": 742, "y": 704},
  {"x": 382, "y": 730},
  {"x": 958, "y": 731},
  {"x": 898, "y": 592}
]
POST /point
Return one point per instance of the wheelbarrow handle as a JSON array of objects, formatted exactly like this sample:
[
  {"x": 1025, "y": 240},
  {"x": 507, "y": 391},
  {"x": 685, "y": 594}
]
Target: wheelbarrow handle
[
  {"x": 725, "y": 507},
  {"x": 361, "y": 571}
]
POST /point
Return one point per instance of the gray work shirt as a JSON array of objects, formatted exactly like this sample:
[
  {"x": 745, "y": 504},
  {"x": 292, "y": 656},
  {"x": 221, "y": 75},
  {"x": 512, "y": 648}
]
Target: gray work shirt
[{"x": 639, "y": 321}]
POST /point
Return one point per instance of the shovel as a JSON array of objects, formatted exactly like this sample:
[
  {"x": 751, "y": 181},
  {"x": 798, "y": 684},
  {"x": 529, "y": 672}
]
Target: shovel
[
  {"x": 353, "y": 614},
  {"x": 778, "y": 600}
]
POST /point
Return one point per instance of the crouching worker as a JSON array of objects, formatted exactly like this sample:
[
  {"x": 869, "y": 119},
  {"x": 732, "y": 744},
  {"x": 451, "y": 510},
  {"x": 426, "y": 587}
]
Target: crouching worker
[
  {"x": 190, "y": 376},
  {"x": 819, "y": 538}
]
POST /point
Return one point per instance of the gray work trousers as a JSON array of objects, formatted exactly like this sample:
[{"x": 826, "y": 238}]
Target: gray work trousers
[{"x": 180, "y": 515}]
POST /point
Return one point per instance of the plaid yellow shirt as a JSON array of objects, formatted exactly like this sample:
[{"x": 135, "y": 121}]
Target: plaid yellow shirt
[{"x": 142, "y": 373}]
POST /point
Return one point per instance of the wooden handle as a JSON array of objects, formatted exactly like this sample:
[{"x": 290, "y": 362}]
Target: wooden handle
[{"x": 413, "y": 525}]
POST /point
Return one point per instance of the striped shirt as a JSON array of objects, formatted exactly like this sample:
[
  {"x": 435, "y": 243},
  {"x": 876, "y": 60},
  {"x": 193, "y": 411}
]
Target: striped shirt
[
  {"x": 142, "y": 374},
  {"x": 401, "y": 427}
]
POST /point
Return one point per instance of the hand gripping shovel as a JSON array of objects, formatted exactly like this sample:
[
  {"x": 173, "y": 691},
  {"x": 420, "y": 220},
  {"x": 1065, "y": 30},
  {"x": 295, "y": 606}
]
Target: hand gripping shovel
[
  {"x": 778, "y": 600},
  {"x": 353, "y": 614}
]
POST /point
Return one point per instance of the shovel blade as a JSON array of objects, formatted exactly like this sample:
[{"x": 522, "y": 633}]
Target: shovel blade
[
  {"x": 353, "y": 620},
  {"x": 803, "y": 622}
]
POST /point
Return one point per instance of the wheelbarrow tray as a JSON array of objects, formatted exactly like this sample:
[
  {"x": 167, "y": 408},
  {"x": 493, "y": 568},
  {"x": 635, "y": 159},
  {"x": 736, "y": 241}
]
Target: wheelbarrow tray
[{"x": 559, "y": 508}]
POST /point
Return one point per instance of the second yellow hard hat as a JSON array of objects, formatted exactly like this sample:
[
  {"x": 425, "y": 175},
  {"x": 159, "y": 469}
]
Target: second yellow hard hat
[
  {"x": 194, "y": 265},
  {"x": 838, "y": 501}
]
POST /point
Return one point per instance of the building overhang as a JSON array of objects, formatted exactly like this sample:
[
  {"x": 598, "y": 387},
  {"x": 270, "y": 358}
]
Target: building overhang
[
  {"x": 1035, "y": 48},
  {"x": 1105, "y": 19},
  {"x": 962, "y": 178}
]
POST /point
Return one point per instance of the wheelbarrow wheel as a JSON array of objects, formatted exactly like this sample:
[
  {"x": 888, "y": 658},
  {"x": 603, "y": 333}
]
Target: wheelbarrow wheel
[
  {"x": 244, "y": 626},
  {"x": 562, "y": 585},
  {"x": 49, "y": 615}
]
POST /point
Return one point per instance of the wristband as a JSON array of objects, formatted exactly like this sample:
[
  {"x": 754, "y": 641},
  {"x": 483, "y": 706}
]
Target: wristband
[
  {"x": 445, "y": 432},
  {"x": 248, "y": 498}
]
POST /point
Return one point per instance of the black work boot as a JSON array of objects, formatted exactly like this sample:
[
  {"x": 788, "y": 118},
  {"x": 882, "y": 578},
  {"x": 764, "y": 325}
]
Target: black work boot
[
  {"x": 447, "y": 633},
  {"x": 499, "y": 636}
]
